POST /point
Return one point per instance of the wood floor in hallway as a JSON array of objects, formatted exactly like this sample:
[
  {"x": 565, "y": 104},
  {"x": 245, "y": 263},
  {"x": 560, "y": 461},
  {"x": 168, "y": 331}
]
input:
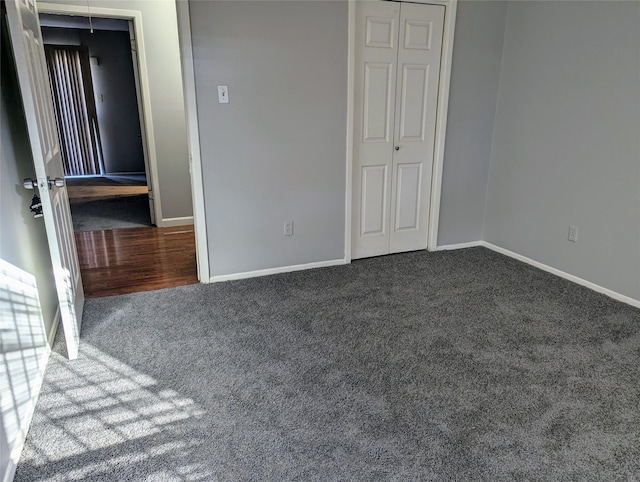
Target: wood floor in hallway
[{"x": 128, "y": 260}]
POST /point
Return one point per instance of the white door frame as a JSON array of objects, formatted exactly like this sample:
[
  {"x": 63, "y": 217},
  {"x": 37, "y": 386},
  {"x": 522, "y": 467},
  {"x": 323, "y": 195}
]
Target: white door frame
[
  {"x": 193, "y": 134},
  {"x": 135, "y": 17},
  {"x": 441, "y": 120}
]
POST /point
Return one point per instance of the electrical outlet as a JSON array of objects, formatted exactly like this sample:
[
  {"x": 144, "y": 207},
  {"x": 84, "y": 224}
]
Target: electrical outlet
[
  {"x": 288, "y": 228},
  {"x": 573, "y": 233}
]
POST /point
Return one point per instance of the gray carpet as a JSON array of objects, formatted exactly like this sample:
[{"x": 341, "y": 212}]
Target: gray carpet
[
  {"x": 111, "y": 213},
  {"x": 459, "y": 365}
]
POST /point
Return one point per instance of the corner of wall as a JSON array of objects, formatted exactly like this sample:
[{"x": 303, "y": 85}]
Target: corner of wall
[{"x": 493, "y": 128}]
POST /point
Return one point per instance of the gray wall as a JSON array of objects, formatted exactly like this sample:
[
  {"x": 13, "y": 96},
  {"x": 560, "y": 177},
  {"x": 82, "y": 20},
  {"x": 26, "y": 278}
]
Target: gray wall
[
  {"x": 23, "y": 242},
  {"x": 276, "y": 152},
  {"x": 113, "y": 78},
  {"x": 118, "y": 115},
  {"x": 566, "y": 146},
  {"x": 167, "y": 103},
  {"x": 60, "y": 36},
  {"x": 475, "y": 73}
]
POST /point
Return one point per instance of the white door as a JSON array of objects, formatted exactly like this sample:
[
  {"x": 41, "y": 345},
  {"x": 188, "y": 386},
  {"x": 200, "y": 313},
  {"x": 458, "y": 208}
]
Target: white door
[
  {"x": 28, "y": 50},
  {"x": 376, "y": 58},
  {"x": 398, "y": 49}
]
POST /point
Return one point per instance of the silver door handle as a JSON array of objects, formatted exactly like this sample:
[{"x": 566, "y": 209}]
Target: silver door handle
[
  {"x": 30, "y": 183},
  {"x": 57, "y": 182}
]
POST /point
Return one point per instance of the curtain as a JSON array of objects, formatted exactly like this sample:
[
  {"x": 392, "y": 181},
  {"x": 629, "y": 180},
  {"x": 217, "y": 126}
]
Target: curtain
[{"x": 75, "y": 106}]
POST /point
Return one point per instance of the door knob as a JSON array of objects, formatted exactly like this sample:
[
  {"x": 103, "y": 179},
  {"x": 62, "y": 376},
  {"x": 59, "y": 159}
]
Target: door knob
[
  {"x": 57, "y": 182},
  {"x": 397, "y": 148},
  {"x": 30, "y": 183}
]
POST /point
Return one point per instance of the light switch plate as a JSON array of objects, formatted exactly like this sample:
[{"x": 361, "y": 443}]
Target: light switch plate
[{"x": 223, "y": 94}]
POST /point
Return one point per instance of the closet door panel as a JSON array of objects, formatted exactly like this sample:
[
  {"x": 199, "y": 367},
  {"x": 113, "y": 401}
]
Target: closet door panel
[
  {"x": 376, "y": 51},
  {"x": 419, "y": 51},
  {"x": 374, "y": 199},
  {"x": 413, "y": 106},
  {"x": 377, "y": 102},
  {"x": 409, "y": 184}
]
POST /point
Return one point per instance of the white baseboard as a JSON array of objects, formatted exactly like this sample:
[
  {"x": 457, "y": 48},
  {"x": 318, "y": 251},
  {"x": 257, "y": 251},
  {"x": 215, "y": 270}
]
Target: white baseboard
[
  {"x": 335, "y": 262},
  {"x": 281, "y": 269},
  {"x": 447, "y": 247},
  {"x": 171, "y": 222},
  {"x": 54, "y": 327},
  {"x": 588, "y": 284}
]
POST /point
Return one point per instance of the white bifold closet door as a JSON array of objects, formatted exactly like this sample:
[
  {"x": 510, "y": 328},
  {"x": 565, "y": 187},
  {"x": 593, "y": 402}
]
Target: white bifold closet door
[{"x": 397, "y": 67}]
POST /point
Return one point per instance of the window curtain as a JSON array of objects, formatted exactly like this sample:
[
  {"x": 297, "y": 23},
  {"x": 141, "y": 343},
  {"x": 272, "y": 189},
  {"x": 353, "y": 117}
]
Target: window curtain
[{"x": 75, "y": 107}]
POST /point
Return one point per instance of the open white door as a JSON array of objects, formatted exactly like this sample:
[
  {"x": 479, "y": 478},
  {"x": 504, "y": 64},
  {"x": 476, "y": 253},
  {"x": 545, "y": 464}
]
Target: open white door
[{"x": 28, "y": 51}]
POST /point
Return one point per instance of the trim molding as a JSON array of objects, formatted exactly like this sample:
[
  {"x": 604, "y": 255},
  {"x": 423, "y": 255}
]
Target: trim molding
[
  {"x": 54, "y": 327},
  {"x": 351, "y": 61},
  {"x": 450, "y": 12},
  {"x": 544, "y": 267},
  {"x": 448, "y": 247},
  {"x": 587, "y": 284},
  {"x": 281, "y": 269},
  {"x": 193, "y": 138},
  {"x": 171, "y": 222}
]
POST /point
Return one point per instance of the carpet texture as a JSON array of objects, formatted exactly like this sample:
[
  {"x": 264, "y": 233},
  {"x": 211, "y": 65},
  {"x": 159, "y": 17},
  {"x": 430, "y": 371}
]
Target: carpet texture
[
  {"x": 462, "y": 365},
  {"x": 112, "y": 213}
]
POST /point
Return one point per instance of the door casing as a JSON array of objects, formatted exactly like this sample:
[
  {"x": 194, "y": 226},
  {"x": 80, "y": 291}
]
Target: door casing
[{"x": 193, "y": 134}]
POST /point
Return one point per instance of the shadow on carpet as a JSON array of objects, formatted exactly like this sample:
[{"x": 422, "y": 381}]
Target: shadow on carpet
[
  {"x": 459, "y": 365},
  {"x": 111, "y": 213}
]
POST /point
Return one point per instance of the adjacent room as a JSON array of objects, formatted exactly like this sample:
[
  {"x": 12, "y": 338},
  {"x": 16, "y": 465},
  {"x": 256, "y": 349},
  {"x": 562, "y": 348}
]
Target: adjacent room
[
  {"x": 416, "y": 231},
  {"x": 100, "y": 125}
]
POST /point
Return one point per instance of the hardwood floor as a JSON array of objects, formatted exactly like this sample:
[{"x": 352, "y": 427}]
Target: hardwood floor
[
  {"x": 92, "y": 193},
  {"x": 129, "y": 260}
]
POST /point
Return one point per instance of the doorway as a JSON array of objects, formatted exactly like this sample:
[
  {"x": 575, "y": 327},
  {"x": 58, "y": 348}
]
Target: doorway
[
  {"x": 120, "y": 250},
  {"x": 93, "y": 78}
]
